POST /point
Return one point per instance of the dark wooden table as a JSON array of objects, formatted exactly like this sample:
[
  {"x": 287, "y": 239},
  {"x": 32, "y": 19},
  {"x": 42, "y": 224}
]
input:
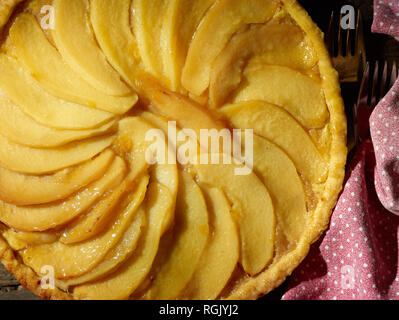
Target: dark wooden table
[
  {"x": 378, "y": 47},
  {"x": 10, "y": 289}
]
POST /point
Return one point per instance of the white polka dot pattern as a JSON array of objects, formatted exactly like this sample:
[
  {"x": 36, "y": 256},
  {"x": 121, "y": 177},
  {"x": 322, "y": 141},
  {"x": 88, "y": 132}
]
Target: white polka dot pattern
[
  {"x": 358, "y": 256},
  {"x": 386, "y": 17},
  {"x": 384, "y": 123}
]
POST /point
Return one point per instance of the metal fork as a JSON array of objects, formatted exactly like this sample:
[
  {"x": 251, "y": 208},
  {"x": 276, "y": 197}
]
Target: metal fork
[
  {"x": 347, "y": 48},
  {"x": 377, "y": 80}
]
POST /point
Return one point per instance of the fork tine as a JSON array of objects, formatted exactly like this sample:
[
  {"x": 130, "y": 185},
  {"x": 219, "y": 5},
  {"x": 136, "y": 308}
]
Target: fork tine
[
  {"x": 364, "y": 86},
  {"x": 340, "y": 36},
  {"x": 394, "y": 75},
  {"x": 352, "y": 35},
  {"x": 346, "y": 47},
  {"x": 360, "y": 108},
  {"x": 359, "y": 40},
  {"x": 384, "y": 81},
  {"x": 331, "y": 35},
  {"x": 349, "y": 40},
  {"x": 373, "y": 101}
]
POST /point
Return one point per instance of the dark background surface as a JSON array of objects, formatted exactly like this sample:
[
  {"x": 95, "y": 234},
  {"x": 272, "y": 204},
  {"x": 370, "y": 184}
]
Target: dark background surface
[{"x": 378, "y": 47}]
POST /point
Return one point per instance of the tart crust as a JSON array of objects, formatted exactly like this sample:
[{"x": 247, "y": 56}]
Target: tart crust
[{"x": 275, "y": 275}]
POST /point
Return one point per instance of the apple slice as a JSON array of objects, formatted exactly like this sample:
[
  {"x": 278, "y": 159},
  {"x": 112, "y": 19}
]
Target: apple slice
[
  {"x": 23, "y": 190},
  {"x": 224, "y": 19},
  {"x": 272, "y": 44},
  {"x": 302, "y": 97},
  {"x": 52, "y": 215},
  {"x": 43, "y": 161},
  {"x": 21, "y": 240},
  {"x": 278, "y": 173},
  {"x": 21, "y": 129},
  {"x": 70, "y": 261},
  {"x": 133, "y": 271},
  {"x": 54, "y": 74},
  {"x": 133, "y": 141},
  {"x": 171, "y": 105},
  {"x": 43, "y": 107},
  {"x": 181, "y": 20},
  {"x": 115, "y": 257},
  {"x": 35, "y": 7},
  {"x": 6, "y": 9},
  {"x": 111, "y": 23},
  {"x": 177, "y": 262},
  {"x": 221, "y": 254},
  {"x": 279, "y": 127},
  {"x": 147, "y": 17},
  {"x": 98, "y": 218},
  {"x": 165, "y": 174},
  {"x": 253, "y": 209},
  {"x": 77, "y": 45}
]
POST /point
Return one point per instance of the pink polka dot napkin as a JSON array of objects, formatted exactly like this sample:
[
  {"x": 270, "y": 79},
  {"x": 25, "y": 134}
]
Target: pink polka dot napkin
[
  {"x": 358, "y": 256},
  {"x": 386, "y": 17},
  {"x": 384, "y": 123}
]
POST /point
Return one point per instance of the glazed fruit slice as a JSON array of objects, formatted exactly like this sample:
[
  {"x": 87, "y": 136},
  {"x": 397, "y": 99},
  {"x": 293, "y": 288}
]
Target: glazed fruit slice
[
  {"x": 176, "y": 263},
  {"x": 133, "y": 141},
  {"x": 221, "y": 253},
  {"x": 171, "y": 105},
  {"x": 73, "y": 260},
  {"x": 224, "y": 19},
  {"x": 156, "y": 120},
  {"x": 42, "y": 161},
  {"x": 21, "y": 240},
  {"x": 43, "y": 107},
  {"x": 21, "y": 129},
  {"x": 276, "y": 125},
  {"x": 53, "y": 215},
  {"x": 167, "y": 176},
  {"x": 54, "y": 74},
  {"x": 114, "y": 35},
  {"x": 134, "y": 130},
  {"x": 131, "y": 274},
  {"x": 279, "y": 175},
  {"x": 6, "y": 9},
  {"x": 253, "y": 211},
  {"x": 98, "y": 219},
  {"x": 78, "y": 47},
  {"x": 20, "y": 189},
  {"x": 181, "y": 19},
  {"x": 271, "y": 44},
  {"x": 165, "y": 172},
  {"x": 301, "y": 96},
  {"x": 117, "y": 255},
  {"x": 147, "y": 17}
]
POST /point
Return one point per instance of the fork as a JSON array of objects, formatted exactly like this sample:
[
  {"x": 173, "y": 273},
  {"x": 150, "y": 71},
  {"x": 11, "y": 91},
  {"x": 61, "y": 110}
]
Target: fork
[
  {"x": 347, "y": 48},
  {"x": 374, "y": 86}
]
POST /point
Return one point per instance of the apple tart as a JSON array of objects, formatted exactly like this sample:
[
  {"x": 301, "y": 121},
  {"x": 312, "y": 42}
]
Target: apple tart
[{"x": 83, "y": 83}]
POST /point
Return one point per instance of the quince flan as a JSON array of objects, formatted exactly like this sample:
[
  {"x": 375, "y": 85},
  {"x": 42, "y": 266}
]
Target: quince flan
[{"x": 90, "y": 203}]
